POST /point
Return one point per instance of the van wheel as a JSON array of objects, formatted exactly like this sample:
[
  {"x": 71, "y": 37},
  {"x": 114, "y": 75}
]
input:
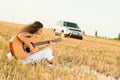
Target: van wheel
[{"x": 80, "y": 37}]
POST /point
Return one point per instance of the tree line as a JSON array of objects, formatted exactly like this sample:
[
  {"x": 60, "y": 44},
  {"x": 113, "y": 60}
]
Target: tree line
[{"x": 96, "y": 35}]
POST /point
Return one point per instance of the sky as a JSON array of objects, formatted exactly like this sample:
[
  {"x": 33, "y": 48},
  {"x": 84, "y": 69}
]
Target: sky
[{"x": 102, "y": 16}]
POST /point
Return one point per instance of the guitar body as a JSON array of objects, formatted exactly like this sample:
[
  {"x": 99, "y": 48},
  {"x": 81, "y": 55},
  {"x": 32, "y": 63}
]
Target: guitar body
[{"x": 19, "y": 49}]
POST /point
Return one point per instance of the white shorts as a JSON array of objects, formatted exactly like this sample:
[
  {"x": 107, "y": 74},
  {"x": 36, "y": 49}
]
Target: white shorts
[{"x": 36, "y": 57}]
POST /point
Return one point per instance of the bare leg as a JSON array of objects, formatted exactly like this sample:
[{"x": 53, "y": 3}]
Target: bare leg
[{"x": 54, "y": 62}]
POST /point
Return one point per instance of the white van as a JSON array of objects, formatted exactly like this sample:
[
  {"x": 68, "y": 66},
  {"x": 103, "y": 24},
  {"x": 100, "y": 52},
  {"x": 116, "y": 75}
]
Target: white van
[{"x": 65, "y": 29}]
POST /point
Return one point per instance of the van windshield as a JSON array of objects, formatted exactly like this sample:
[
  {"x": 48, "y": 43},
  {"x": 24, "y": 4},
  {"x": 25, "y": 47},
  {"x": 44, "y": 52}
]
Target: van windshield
[{"x": 69, "y": 24}]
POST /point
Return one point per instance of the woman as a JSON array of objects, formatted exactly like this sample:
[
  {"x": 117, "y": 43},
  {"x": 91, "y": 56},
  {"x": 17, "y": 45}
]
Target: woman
[{"x": 44, "y": 52}]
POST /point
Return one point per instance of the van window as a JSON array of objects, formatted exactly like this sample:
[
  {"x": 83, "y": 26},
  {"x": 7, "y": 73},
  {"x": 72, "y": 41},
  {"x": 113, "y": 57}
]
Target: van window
[{"x": 73, "y": 25}]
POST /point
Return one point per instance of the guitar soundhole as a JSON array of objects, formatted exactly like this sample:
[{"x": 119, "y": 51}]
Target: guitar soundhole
[{"x": 26, "y": 49}]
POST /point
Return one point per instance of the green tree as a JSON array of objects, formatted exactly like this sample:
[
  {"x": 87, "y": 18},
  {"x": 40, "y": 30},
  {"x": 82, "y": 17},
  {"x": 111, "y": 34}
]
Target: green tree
[
  {"x": 83, "y": 32},
  {"x": 119, "y": 36},
  {"x": 96, "y": 33}
]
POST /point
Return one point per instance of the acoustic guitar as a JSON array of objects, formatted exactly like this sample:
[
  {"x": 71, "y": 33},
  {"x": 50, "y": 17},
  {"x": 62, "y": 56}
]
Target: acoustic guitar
[{"x": 21, "y": 50}]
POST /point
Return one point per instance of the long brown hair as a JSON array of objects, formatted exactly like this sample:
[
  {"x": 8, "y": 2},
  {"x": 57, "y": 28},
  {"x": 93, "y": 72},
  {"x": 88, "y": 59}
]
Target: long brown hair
[{"x": 32, "y": 28}]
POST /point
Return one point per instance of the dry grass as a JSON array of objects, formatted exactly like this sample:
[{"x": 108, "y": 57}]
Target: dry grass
[{"x": 100, "y": 54}]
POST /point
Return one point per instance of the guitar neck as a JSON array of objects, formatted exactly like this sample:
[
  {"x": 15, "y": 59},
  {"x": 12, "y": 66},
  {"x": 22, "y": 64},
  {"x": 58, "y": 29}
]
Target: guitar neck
[{"x": 46, "y": 42}]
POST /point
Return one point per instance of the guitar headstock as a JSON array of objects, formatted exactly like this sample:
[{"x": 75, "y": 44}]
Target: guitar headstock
[{"x": 56, "y": 40}]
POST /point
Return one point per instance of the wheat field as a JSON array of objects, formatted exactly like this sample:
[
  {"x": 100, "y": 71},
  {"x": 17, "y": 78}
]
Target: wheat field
[{"x": 97, "y": 54}]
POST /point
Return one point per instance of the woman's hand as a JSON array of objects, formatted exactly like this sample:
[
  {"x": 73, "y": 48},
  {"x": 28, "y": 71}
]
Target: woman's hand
[{"x": 31, "y": 47}]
